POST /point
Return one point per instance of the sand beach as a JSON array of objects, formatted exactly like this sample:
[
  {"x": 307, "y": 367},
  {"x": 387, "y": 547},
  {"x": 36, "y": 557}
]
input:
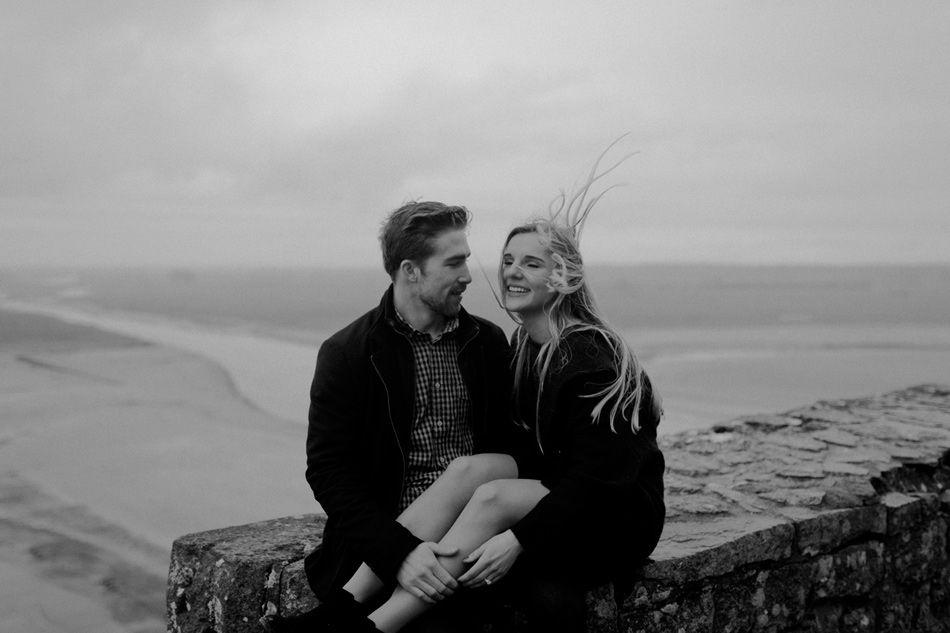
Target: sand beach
[{"x": 111, "y": 447}]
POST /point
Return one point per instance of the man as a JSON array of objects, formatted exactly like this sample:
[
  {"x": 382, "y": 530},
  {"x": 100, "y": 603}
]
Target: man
[{"x": 396, "y": 396}]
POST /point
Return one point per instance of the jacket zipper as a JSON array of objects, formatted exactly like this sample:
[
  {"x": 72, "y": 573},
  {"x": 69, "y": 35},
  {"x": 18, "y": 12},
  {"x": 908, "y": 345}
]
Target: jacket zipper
[{"x": 392, "y": 425}]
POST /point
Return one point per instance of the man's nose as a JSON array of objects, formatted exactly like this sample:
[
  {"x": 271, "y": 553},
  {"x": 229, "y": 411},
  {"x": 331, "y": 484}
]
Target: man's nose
[{"x": 466, "y": 277}]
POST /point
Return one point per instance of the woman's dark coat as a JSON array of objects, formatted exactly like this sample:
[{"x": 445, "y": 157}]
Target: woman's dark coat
[{"x": 605, "y": 511}]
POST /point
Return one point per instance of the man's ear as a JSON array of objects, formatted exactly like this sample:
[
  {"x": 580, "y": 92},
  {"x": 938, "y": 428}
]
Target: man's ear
[{"x": 409, "y": 270}]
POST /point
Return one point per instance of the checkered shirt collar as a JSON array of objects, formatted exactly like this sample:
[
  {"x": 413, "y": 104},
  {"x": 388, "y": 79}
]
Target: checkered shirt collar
[{"x": 404, "y": 326}]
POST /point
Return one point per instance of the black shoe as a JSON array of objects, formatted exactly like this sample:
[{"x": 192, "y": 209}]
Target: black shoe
[
  {"x": 338, "y": 605},
  {"x": 353, "y": 624}
]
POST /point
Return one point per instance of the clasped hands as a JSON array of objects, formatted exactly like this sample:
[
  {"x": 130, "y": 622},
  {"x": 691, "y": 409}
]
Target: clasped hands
[{"x": 423, "y": 575}]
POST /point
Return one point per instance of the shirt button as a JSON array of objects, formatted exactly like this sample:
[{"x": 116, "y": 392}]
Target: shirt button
[
  {"x": 438, "y": 422},
  {"x": 438, "y": 385}
]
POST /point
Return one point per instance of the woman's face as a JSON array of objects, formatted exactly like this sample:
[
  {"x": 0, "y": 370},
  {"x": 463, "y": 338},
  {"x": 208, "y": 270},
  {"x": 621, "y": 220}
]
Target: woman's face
[{"x": 526, "y": 267}]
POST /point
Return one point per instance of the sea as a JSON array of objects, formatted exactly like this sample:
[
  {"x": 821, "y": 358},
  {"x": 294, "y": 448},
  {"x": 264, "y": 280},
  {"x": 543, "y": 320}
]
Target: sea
[{"x": 719, "y": 341}]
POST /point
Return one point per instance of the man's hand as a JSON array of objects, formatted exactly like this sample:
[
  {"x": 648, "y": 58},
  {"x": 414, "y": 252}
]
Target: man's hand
[{"x": 422, "y": 575}]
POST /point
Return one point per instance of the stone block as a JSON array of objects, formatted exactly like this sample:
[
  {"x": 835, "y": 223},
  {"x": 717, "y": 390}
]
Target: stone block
[
  {"x": 822, "y": 618},
  {"x": 295, "y": 595},
  {"x": 219, "y": 580},
  {"x": 692, "y": 465},
  {"x": 850, "y": 572},
  {"x": 798, "y": 441},
  {"x": 827, "y": 531},
  {"x": 697, "y": 504},
  {"x": 658, "y": 609},
  {"x": 940, "y": 595},
  {"x": 796, "y": 497},
  {"x": 903, "y": 609},
  {"x": 905, "y": 512},
  {"x": 933, "y": 418},
  {"x": 748, "y": 503},
  {"x": 849, "y": 492},
  {"x": 829, "y": 417},
  {"x": 737, "y": 600},
  {"x": 837, "y": 437},
  {"x": 918, "y": 554},
  {"x": 761, "y": 599},
  {"x": 769, "y": 422},
  {"x": 697, "y": 551},
  {"x": 858, "y": 619},
  {"x": 602, "y": 609}
]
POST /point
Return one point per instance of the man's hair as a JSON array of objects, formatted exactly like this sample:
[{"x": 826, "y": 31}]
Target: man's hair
[{"x": 407, "y": 232}]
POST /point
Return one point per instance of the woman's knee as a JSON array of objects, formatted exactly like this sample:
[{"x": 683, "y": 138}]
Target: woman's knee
[
  {"x": 478, "y": 469},
  {"x": 492, "y": 499}
]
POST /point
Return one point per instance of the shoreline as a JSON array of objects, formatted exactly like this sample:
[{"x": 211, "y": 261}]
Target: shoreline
[
  {"x": 270, "y": 368},
  {"x": 111, "y": 448},
  {"x": 269, "y": 373}
]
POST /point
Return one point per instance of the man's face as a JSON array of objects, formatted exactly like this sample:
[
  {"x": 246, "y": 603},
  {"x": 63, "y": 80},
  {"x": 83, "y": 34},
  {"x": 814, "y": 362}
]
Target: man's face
[{"x": 444, "y": 275}]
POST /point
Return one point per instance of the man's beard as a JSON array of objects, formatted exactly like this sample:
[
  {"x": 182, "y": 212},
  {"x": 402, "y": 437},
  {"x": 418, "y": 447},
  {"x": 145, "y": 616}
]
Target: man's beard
[{"x": 446, "y": 305}]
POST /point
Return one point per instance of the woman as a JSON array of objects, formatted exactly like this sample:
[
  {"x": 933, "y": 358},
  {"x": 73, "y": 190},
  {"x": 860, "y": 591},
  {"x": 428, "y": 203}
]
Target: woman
[
  {"x": 587, "y": 503},
  {"x": 593, "y": 414}
]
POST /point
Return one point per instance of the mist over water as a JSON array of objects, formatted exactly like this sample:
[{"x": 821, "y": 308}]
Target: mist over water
[{"x": 304, "y": 302}]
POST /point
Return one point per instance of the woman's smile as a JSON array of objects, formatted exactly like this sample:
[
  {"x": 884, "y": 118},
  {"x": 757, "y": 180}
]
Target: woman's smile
[{"x": 526, "y": 269}]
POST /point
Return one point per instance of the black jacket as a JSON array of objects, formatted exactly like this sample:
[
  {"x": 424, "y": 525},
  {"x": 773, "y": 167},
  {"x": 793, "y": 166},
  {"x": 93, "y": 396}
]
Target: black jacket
[
  {"x": 361, "y": 406},
  {"x": 605, "y": 509}
]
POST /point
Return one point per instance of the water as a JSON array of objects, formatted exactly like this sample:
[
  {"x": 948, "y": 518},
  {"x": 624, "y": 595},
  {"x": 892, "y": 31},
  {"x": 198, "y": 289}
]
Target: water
[
  {"x": 718, "y": 341},
  {"x": 649, "y": 296}
]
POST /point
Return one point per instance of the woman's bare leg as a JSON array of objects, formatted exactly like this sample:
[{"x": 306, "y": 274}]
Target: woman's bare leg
[
  {"x": 493, "y": 508},
  {"x": 433, "y": 512}
]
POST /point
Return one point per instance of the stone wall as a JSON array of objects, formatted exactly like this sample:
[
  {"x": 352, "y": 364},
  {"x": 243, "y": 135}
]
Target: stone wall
[{"x": 833, "y": 517}]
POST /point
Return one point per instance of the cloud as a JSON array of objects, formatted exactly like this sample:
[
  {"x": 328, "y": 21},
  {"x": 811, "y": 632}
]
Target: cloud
[{"x": 291, "y": 127}]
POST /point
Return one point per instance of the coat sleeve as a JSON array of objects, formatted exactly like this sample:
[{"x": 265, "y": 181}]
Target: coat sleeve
[
  {"x": 591, "y": 468},
  {"x": 334, "y": 453}
]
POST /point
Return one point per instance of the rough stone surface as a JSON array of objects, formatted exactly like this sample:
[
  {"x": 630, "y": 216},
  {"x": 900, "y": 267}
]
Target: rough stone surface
[
  {"x": 225, "y": 580},
  {"x": 831, "y": 517}
]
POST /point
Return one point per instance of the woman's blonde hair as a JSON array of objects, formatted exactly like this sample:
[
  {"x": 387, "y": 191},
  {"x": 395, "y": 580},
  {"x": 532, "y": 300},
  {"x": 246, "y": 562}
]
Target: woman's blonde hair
[{"x": 573, "y": 308}]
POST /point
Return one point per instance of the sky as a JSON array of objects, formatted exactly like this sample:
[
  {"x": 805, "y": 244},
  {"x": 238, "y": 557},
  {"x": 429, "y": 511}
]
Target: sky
[{"x": 280, "y": 133}]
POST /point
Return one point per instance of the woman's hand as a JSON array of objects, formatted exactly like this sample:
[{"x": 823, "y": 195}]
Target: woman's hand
[{"x": 493, "y": 559}]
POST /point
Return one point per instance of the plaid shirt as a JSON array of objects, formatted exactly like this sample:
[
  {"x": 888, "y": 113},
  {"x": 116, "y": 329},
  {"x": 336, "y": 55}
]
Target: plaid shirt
[{"x": 442, "y": 409}]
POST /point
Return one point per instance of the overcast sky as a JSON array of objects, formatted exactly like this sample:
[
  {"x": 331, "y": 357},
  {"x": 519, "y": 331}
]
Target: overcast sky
[{"x": 280, "y": 133}]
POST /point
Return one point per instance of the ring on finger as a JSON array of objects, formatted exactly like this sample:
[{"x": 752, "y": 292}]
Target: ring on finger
[{"x": 488, "y": 581}]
